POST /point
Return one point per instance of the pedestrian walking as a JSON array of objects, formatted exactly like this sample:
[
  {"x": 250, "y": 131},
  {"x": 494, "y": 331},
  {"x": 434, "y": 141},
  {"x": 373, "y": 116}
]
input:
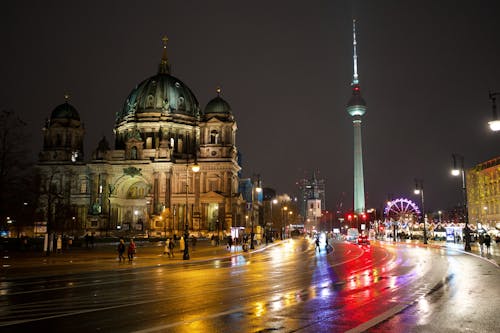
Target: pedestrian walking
[
  {"x": 166, "y": 249},
  {"x": 487, "y": 242},
  {"x": 193, "y": 242},
  {"x": 131, "y": 250},
  {"x": 317, "y": 244},
  {"x": 171, "y": 246},
  {"x": 121, "y": 250},
  {"x": 481, "y": 242}
]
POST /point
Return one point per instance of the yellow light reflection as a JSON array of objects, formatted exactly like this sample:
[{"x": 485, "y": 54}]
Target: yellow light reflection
[{"x": 260, "y": 309}]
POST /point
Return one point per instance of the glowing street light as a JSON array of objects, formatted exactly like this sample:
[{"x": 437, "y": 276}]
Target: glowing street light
[
  {"x": 258, "y": 189},
  {"x": 457, "y": 171},
  {"x": 195, "y": 168},
  {"x": 419, "y": 190},
  {"x": 495, "y": 123}
]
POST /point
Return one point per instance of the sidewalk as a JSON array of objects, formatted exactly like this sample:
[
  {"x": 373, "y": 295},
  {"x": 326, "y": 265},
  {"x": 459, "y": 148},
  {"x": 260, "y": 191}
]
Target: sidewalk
[
  {"x": 493, "y": 256},
  {"x": 103, "y": 257}
]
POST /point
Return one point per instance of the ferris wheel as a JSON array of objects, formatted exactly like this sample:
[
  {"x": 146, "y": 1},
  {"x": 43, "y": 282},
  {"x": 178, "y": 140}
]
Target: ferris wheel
[{"x": 401, "y": 209}]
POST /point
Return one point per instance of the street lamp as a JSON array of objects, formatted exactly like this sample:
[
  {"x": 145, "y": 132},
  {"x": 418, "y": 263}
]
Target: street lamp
[
  {"x": 457, "y": 172},
  {"x": 258, "y": 189},
  {"x": 195, "y": 168},
  {"x": 495, "y": 123},
  {"x": 273, "y": 202},
  {"x": 283, "y": 215},
  {"x": 439, "y": 213},
  {"x": 419, "y": 189}
]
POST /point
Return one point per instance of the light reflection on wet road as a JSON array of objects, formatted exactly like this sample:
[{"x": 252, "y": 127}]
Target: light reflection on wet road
[{"x": 286, "y": 288}]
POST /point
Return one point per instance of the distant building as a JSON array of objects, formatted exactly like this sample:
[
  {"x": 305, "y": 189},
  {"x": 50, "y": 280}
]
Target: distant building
[
  {"x": 483, "y": 194},
  {"x": 145, "y": 184},
  {"x": 311, "y": 199}
]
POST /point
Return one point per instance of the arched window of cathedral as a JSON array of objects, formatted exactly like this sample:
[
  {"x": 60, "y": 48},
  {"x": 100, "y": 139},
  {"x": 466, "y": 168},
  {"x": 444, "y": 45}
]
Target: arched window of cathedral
[
  {"x": 180, "y": 143},
  {"x": 132, "y": 192},
  {"x": 133, "y": 153},
  {"x": 83, "y": 185},
  {"x": 181, "y": 103},
  {"x": 149, "y": 142},
  {"x": 213, "y": 185},
  {"x": 214, "y": 137},
  {"x": 150, "y": 101}
]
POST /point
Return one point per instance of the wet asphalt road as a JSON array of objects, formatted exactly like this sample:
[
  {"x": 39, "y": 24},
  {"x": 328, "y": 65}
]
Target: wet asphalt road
[{"x": 290, "y": 287}]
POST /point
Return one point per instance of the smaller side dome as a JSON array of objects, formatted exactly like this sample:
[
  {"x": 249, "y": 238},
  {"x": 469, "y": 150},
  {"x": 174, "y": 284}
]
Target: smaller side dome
[
  {"x": 218, "y": 105},
  {"x": 65, "y": 111}
]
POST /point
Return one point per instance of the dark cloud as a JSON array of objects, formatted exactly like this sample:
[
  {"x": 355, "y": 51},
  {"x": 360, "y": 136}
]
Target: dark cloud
[{"x": 285, "y": 67}]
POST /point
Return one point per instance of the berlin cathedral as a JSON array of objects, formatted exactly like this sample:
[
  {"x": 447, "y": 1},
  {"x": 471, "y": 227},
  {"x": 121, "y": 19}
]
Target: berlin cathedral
[{"x": 174, "y": 166}]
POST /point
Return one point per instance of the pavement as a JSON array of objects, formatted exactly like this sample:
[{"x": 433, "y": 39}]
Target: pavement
[
  {"x": 492, "y": 255},
  {"x": 102, "y": 257}
]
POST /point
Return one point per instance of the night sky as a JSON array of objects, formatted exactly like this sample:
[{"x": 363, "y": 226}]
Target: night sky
[{"x": 285, "y": 67}]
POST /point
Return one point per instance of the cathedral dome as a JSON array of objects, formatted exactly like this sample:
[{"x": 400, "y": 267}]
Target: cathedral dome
[
  {"x": 218, "y": 105},
  {"x": 160, "y": 95},
  {"x": 65, "y": 111},
  {"x": 163, "y": 94}
]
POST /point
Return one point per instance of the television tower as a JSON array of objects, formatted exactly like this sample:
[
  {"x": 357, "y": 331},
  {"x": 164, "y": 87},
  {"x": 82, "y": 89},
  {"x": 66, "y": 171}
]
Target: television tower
[{"x": 356, "y": 107}]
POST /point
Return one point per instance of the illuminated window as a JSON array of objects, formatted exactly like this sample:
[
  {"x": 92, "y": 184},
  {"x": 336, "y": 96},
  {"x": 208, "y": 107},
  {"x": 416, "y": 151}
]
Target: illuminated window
[
  {"x": 83, "y": 186},
  {"x": 133, "y": 153},
  {"x": 214, "y": 137}
]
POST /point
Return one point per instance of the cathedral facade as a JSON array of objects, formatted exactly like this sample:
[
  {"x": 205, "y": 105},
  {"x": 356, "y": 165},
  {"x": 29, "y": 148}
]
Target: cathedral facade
[{"x": 174, "y": 166}]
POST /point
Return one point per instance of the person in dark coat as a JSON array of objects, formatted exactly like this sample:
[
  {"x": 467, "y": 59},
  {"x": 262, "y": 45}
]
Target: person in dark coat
[
  {"x": 121, "y": 250},
  {"x": 487, "y": 242}
]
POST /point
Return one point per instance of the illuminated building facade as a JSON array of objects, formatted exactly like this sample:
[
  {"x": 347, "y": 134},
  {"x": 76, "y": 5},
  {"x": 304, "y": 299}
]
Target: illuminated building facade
[
  {"x": 146, "y": 183},
  {"x": 483, "y": 194},
  {"x": 312, "y": 199}
]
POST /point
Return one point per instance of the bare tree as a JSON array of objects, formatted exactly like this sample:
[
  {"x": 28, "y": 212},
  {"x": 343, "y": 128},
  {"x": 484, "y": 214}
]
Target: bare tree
[{"x": 16, "y": 196}]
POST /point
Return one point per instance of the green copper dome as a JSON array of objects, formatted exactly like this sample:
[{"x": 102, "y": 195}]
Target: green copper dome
[
  {"x": 218, "y": 105},
  {"x": 65, "y": 111},
  {"x": 162, "y": 93}
]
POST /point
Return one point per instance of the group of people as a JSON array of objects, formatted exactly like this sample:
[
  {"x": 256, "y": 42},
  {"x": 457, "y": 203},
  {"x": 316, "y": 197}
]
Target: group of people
[
  {"x": 169, "y": 247},
  {"x": 131, "y": 250}
]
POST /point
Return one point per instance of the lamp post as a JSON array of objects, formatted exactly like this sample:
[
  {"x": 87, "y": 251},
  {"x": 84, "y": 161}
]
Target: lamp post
[
  {"x": 258, "y": 189},
  {"x": 457, "y": 172},
  {"x": 283, "y": 215},
  {"x": 273, "y": 202},
  {"x": 495, "y": 123},
  {"x": 195, "y": 168},
  {"x": 419, "y": 189}
]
